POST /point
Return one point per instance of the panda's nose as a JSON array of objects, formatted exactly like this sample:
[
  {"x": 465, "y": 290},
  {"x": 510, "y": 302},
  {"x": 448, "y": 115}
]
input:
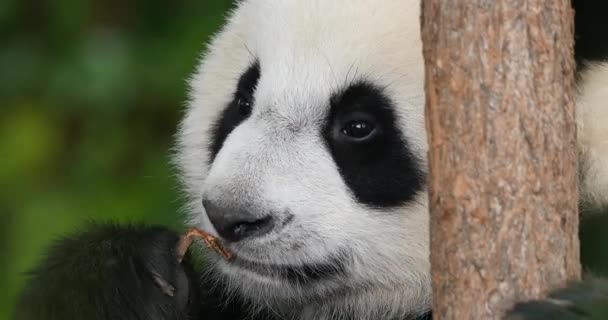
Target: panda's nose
[{"x": 235, "y": 225}]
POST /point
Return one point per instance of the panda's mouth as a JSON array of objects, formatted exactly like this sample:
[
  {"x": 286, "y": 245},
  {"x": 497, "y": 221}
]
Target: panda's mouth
[{"x": 300, "y": 274}]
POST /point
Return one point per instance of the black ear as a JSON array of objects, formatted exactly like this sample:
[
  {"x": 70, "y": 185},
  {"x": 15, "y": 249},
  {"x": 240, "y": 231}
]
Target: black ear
[{"x": 110, "y": 272}]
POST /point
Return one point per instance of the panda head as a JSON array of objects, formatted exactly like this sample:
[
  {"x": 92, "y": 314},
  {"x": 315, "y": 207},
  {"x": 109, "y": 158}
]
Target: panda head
[{"x": 304, "y": 148}]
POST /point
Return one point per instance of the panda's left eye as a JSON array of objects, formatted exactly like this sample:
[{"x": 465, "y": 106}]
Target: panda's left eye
[{"x": 358, "y": 129}]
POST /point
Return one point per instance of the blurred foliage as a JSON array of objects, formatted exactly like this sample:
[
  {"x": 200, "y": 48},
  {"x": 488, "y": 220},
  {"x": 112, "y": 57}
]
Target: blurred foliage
[
  {"x": 594, "y": 237},
  {"x": 90, "y": 95}
]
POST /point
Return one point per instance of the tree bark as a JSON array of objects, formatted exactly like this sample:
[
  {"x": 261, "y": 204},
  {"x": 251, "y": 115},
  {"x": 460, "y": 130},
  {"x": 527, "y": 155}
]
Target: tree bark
[{"x": 502, "y": 152}]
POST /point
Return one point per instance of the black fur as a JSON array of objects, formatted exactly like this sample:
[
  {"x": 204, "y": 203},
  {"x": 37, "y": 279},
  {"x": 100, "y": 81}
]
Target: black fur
[
  {"x": 591, "y": 29},
  {"x": 111, "y": 272},
  {"x": 380, "y": 171},
  {"x": 236, "y": 112}
]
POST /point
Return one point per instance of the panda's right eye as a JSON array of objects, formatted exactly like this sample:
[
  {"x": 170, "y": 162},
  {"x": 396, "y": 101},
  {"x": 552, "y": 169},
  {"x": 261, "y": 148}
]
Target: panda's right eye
[
  {"x": 243, "y": 97},
  {"x": 244, "y": 105}
]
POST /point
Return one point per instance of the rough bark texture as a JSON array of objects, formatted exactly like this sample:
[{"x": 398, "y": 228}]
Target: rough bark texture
[{"x": 502, "y": 152}]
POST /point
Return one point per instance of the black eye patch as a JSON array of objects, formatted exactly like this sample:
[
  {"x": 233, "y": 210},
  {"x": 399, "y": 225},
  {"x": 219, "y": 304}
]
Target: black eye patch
[
  {"x": 237, "y": 110},
  {"x": 369, "y": 149}
]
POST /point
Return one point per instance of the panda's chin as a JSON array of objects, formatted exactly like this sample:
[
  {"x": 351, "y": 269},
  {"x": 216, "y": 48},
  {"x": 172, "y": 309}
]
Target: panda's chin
[{"x": 280, "y": 283}]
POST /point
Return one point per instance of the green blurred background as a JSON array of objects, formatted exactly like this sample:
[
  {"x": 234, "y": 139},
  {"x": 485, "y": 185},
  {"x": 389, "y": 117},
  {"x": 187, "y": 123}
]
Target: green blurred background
[{"x": 90, "y": 95}]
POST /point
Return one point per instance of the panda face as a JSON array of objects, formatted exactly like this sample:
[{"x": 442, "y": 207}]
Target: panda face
[{"x": 304, "y": 149}]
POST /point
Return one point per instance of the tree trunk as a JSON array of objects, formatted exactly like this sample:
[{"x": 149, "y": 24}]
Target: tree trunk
[{"x": 502, "y": 152}]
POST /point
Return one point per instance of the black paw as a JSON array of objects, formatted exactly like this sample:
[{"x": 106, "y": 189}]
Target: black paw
[{"x": 110, "y": 272}]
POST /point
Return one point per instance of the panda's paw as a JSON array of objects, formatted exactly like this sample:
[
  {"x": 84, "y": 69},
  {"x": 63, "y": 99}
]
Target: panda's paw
[
  {"x": 585, "y": 300},
  {"x": 107, "y": 271}
]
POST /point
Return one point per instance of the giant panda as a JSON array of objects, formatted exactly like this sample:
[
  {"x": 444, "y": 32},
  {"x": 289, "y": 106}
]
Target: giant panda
[{"x": 303, "y": 149}]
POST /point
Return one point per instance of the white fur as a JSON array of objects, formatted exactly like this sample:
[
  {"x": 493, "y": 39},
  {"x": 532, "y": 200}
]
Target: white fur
[
  {"x": 593, "y": 134},
  {"x": 276, "y": 161}
]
